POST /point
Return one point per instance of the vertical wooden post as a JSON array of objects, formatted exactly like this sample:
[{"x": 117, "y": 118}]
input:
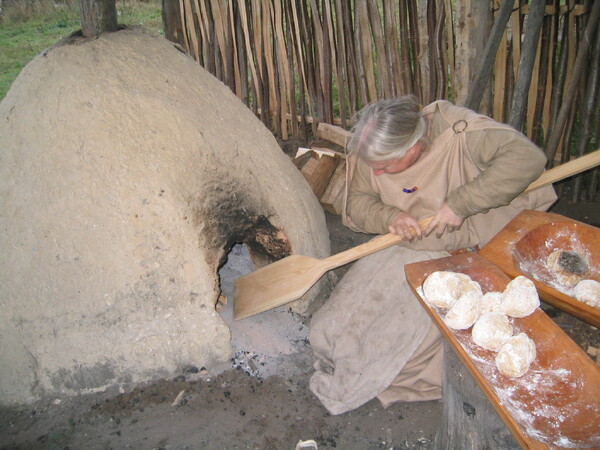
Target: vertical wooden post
[
  {"x": 171, "y": 17},
  {"x": 473, "y": 19},
  {"x": 98, "y": 16},
  {"x": 526, "y": 63},
  {"x": 486, "y": 65},
  {"x": 557, "y": 131},
  {"x": 469, "y": 421}
]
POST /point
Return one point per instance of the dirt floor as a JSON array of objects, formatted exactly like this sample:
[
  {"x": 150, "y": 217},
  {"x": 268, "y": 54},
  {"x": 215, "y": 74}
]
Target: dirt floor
[{"x": 257, "y": 402}]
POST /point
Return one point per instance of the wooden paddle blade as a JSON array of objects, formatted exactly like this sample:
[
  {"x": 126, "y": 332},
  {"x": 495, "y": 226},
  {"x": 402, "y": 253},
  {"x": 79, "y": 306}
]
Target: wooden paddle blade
[{"x": 276, "y": 284}]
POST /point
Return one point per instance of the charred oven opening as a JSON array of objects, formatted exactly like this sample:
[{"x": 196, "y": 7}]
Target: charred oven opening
[{"x": 259, "y": 343}]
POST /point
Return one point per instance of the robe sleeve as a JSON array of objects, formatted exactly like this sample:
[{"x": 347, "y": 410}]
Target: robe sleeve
[
  {"x": 364, "y": 205},
  {"x": 509, "y": 162}
]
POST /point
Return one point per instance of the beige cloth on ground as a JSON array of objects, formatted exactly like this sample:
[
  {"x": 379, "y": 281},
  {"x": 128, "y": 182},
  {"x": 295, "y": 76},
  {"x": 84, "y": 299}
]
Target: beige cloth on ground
[
  {"x": 421, "y": 377},
  {"x": 369, "y": 329}
]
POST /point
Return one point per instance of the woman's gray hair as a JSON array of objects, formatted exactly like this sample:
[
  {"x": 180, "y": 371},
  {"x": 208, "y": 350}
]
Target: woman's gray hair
[{"x": 387, "y": 129}]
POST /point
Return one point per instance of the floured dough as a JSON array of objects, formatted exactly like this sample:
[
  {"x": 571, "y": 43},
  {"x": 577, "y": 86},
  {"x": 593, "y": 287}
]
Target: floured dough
[
  {"x": 443, "y": 288},
  {"x": 491, "y": 302},
  {"x": 588, "y": 291},
  {"x": 520, "y": 298},
  {"x": 567, "y": 267},
  {"x": 515, "y": 356},
  {"x": 492, "y": 330},
  {"x": 465, "y": 311}
]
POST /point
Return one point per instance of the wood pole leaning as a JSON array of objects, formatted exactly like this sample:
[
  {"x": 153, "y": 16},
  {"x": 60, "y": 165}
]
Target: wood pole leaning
[{"x": 557, "y": 130}]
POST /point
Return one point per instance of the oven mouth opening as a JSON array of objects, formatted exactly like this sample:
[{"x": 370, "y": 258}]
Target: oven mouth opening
[{"x": 261, "y": 343}]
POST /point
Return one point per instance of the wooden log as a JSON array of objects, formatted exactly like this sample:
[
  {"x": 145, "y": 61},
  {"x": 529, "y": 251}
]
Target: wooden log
[
  {"x": 468, "y": 421},
  {"x": 334, "y": 134},
  {"x": 332, "y": 198},
  {"x": 318, "y": 170}
]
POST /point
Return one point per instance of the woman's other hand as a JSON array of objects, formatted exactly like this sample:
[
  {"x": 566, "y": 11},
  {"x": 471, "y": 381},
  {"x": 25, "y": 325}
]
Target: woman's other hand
[{"x": 445, "y": 219}]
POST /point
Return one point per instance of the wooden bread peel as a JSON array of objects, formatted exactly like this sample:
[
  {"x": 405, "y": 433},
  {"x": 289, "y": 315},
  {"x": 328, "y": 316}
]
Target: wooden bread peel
[{"x": 290, "y": 278}]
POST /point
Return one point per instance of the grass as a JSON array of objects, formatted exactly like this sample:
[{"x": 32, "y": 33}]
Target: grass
[{"x": 28, "y": 27}]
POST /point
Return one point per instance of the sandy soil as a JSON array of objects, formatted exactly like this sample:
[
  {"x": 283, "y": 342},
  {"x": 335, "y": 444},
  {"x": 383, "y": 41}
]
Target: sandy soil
[{"x": 258, "y": 402}]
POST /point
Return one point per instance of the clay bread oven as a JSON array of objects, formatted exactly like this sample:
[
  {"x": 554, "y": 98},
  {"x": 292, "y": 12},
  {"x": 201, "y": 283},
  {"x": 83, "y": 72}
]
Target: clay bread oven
[{"x": 127, "y": 172}]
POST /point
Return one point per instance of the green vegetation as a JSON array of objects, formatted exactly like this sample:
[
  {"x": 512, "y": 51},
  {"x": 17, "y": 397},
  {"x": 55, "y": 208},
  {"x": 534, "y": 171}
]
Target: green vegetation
[{"x": 27, "y": 27}]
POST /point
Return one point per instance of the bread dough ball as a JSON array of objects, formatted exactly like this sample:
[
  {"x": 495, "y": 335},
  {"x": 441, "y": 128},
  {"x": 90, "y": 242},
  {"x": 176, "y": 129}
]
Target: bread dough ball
[
  {"x": 465, "y": 311},
  {"x": 520, "y": 298},
  {"x": 515, "y": 356},
  {"x": 443, "y": 288},
  {"x": 492, "y": 330},
  {"x": 567, "y": 267},
  {"x": 491, "y": 302},
  {"x": 588, "y": 291}
]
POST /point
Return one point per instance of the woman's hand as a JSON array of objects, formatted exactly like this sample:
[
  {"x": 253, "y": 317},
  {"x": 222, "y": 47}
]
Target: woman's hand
[
  {"x": 406, "y": 226},
  {"x": 444, "y": 219}
]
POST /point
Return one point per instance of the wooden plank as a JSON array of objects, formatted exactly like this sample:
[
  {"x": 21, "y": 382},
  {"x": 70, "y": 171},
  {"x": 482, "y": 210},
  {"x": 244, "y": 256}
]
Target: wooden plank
[
  {"x": 269, "y": 61},
  {"x": 406, "y": 48},
  {"x": 251, "y": 59},
  {"x": 292, "y": 88},
  {"x": 344, "y": 89},
  {"x": 186, "y": 39},
  {"x": 237, "y": 60},
  {"x": 533, "y": 406},
  {"x": 220, "y": 28},
  {"x": 334, "y": 134},
  {"x": 550, "y": 75},
  {"x": 516, "y": 40},
  {"x": 450, "y": 39},
  {"x": 206, "y": 33},
  {"x": 500, "y": 77},
  {"x": 365, "y": 50},
  {"x": 346, "y": 22},
  {"x": 390, "y": 33},
  {"x": 299, "y": 53},
  {"x": 381, "y": 43},
  {"x": 193, "y": 38},
  {"x": 284, "y": 69},
  {"x": 440, "y": 54},
  {"x": 259, "y": 59},
  {"x": 422, "y": 45}
]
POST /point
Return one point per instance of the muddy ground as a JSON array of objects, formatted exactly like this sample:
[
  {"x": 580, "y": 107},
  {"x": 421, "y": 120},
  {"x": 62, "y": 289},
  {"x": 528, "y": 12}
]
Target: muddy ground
[{"x": 256, "y": 402}]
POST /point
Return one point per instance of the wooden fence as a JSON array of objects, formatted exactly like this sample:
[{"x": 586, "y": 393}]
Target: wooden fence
[{"x": 299, "y": 61}]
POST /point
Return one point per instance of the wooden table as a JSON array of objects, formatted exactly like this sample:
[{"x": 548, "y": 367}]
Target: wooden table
[{"x": 557, "y": 402}]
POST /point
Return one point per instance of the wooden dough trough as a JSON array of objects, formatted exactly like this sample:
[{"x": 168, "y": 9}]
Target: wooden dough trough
[
  {"x": 522, "y": 247},
  {"x": 557, "y": 402}
]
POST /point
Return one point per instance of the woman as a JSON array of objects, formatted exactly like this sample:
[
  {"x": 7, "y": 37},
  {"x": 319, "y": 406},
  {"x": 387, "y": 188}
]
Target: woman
[{"x": 372, "y": 338}]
